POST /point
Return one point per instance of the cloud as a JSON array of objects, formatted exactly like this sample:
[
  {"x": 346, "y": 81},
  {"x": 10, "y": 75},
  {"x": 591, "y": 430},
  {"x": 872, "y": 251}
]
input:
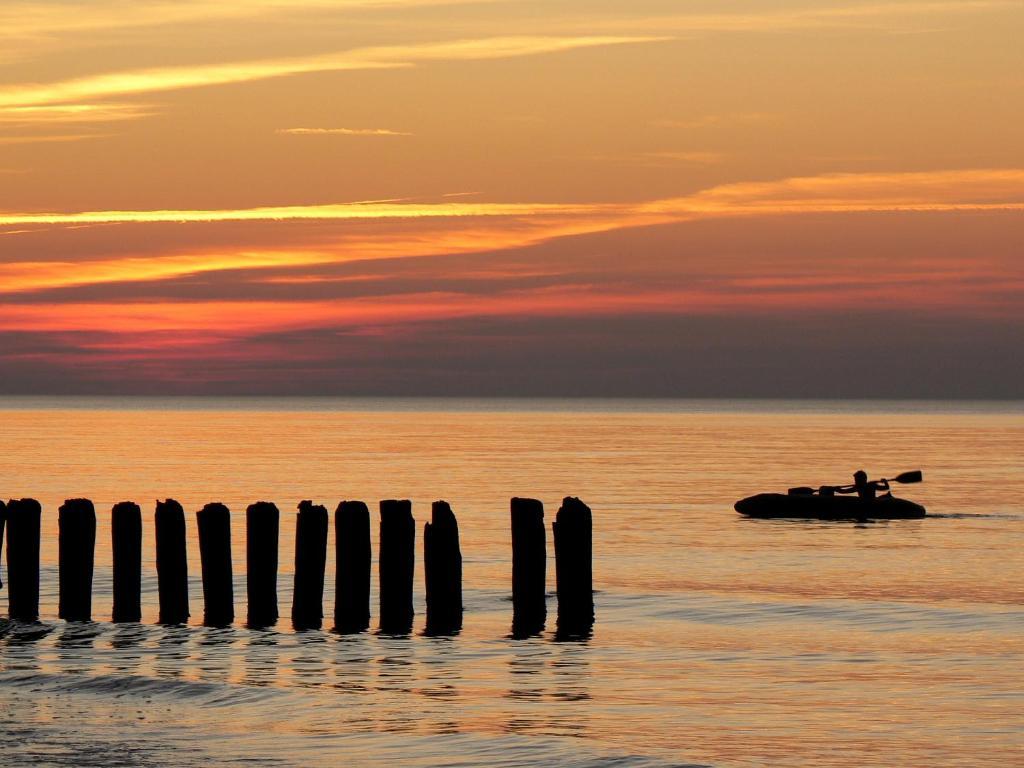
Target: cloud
[
  {"x": 52, "y": 139},
  {"x": 230, "y": 318},
  {"x": 648, "y": 355},
  {"x": 343, "y": 132},
  {"x": 73, "y": 113},
  {"x": 512, "y": 232},
  {"x": 787, "y": 20},
  {"x": 330, "y": 211},
  {"x": 153, "y": 80},
  {"x": 35, "y": 21},
  {"x": 980, "y": 189},
  {"x": 480, "y": 227},
  {"x": 942, "y": 270},
  {"x": 977, "y": 189}
]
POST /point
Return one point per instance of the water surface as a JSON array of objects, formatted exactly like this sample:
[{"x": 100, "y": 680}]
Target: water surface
[{"x": 719, "y": 641}]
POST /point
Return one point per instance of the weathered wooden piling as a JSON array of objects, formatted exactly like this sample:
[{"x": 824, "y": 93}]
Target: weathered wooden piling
[
  {"x": 126, "y": 542},
  {"x": 171, "y": 562},
  {"x": 23, "y": 519},
  {"x": 529, "y": 567},
  {"x": 3, "y": 524},
  {"x": 397, "y": 559},
  {"x": 262, "y": 525},
  {"x": 573, "y": 533},
  {"x": 214, "y": 523},
  {"x": 442, "y": 566},
  {"x": 352, "y": 572},
  {"x": 310, "y": 560},
  {"x": 76, "y": 546}
]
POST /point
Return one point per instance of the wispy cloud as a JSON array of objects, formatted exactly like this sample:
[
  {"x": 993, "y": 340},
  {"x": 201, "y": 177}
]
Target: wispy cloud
[
  {"x": 980, "y": 189},
  {"x": 483, "y": 227},
  {"x": 309, "y": 212},
  {"x": 32, "y": 20},
  {"x": 51, "y": 139},
  {"x": 504, "y": 233},
  {"x": 265, "y": 316},
  {"x": 73, "y": 113},
  {"x": 343, "y": 132},
  {"x": 143, "y": 81},
  {"x": 869, "y": 15}
]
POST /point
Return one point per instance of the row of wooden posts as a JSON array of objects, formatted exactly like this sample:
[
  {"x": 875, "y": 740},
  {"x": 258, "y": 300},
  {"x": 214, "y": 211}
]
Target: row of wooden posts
[{"x": 442, "y": 564}]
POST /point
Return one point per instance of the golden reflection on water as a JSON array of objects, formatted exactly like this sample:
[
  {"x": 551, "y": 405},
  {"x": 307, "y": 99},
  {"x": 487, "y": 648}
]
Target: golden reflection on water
[{"x": 718, "y": 641}]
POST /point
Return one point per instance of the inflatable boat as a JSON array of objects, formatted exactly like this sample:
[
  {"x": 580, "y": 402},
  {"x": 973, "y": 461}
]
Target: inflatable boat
[
  {"x": 864, "y": 500},
  {"x": 815, "y": 507}
]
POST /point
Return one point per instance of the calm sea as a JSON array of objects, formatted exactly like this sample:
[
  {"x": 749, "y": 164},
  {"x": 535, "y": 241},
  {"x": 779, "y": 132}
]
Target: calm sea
[{"x": 719, "y": 641}]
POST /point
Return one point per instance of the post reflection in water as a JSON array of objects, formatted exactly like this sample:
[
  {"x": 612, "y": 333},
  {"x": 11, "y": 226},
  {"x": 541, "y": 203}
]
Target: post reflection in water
[
  {"x": 127, "y": 650},
  {"x": 548, "y": 685},
  {"x": 571, "y": 673},
  {"x": 440, "y": 675},
  {"x": 261, "y": 658},
  {"x": 172, "y": 651},
  {"x": 214, "y": 653},
  {"x": 352, "y": 665},
  {"x": 74, "y": 644},
  {"x": 21, "y": 646},
  {"x": 309, "y": 663},
  {"x": 397, "y": 671}
]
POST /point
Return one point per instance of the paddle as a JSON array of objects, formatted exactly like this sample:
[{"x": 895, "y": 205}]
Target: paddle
[
  {"x": 914, "y": 476},
  {"x": 905, "y": 478}
]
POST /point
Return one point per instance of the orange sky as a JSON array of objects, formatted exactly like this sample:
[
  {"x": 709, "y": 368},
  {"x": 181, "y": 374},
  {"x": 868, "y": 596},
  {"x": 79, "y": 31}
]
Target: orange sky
[{"x": 400, "y": 196}]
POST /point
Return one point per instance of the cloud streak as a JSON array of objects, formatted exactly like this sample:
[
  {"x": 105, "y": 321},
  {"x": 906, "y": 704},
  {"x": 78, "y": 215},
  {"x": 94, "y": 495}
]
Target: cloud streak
[
  {"x": 34, "y": 20},
  {"x": 981, "y": 189},
  {"x": 59, "y": 138},
  {"x": 467, "y": 228},
  {"x": 343, "y": 132},
  {"x": 154, "y": 80},
  {"x": 331, "y": 211},
  {"x": 73, "y": 113},
  {"x": 788, "y": 20}
]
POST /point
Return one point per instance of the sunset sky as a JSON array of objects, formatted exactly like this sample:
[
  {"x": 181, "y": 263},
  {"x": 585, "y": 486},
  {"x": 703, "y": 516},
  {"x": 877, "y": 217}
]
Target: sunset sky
[{"x": 551, "y": 197}]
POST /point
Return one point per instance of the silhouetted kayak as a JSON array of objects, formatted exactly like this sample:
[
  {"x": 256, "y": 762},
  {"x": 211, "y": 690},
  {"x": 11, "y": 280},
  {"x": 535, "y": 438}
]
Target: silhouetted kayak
[{"x": 774, "y": 505}]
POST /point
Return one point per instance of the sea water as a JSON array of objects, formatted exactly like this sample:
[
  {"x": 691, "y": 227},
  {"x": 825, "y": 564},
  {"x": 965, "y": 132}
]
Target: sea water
[{"x": 719, "y": 640}]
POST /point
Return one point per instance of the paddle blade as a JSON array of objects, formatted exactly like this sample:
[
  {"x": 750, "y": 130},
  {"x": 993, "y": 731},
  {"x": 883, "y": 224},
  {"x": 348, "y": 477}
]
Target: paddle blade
[{"x": 913, "y": 476}]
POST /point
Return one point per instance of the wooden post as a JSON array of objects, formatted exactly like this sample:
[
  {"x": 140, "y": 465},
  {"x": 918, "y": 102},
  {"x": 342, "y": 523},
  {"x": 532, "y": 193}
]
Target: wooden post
[
  {"x": 397, "y": 559},
  {"x": 529, "y": 567},
  {"x": 76, "y": 546},
  {"x": 262, "y": 524},
  {"x": 310, "y": 560},
  {"x": 3, "y": 524},
  {"x": 352, "y": 572},
  {"x": 171, "y": 562},
  {"x": 214, "y": 523},
  {"x": 23, "y": 519},
  {"x": 126, "y": 541},
  {"x": 573, "y": 531},
  {"x": 442, "y": 565}
]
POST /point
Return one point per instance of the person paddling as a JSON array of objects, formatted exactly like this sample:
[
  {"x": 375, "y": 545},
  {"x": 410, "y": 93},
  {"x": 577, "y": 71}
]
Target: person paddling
[{"x": 866, "y": 489}]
